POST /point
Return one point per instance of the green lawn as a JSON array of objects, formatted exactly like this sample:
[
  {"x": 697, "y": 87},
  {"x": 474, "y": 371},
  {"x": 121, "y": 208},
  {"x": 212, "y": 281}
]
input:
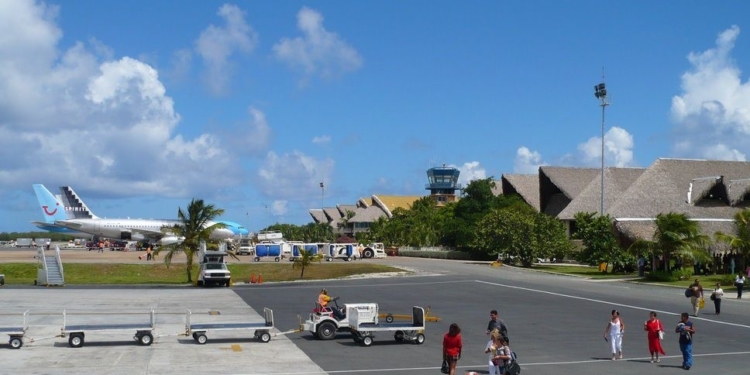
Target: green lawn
[
  {"x": 158, "y": 273},
  {"x": 585, "y": 271}
]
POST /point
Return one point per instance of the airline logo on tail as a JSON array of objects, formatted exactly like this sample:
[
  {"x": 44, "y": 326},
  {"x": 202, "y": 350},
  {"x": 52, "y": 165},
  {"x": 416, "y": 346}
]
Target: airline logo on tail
[{"x": 51, "y": 207}]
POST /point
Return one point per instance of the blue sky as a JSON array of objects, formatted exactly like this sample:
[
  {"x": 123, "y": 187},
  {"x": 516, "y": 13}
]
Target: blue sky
[{"x": 142, "y": 105}]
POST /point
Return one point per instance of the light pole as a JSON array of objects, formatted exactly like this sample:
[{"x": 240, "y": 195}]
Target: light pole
[
  {"x": 322, "y": 195},
  {"x": 600, "y": 91}
]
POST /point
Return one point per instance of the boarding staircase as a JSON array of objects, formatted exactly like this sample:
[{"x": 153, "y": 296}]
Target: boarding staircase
[{"x": 50, "y": 270}]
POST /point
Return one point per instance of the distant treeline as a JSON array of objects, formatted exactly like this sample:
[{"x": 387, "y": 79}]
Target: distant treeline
[{"x": 5, "y": 236}]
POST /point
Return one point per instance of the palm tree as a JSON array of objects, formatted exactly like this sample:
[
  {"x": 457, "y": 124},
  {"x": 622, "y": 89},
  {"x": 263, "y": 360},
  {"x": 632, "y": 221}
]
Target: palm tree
[
  {"x": 344, "y": 222},
  {"x": 195, "y": 225},
  {"x": 675, "y": 236},
  {"x": 741, "y": 241},
  {"x": 305, "y": 260}
]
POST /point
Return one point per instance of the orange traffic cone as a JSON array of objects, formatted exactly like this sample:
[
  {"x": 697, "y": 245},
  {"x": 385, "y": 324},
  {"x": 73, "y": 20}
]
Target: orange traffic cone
[
  {"x": 260, "y": 279},
  {"x": 252, "y": 279}
]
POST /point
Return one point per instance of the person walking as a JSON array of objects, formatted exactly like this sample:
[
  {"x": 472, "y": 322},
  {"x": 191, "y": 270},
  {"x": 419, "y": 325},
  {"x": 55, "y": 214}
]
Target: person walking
[
  {"x": 697, "y": 297},
  {"x": 641, "y": 266},
  {"x": 148, "y": 253},
  {"x": 739, "y": 282},
  {"x": 452, "y": 345},
  {"x": 686, "y": 330},
  {"x": 497, "y": 323},
  {"x": 716, "y": 296},
  {"x": 613, "y": 333},
  {"x": 491, "y": 349},
  {"x": 654, "y": 334}
]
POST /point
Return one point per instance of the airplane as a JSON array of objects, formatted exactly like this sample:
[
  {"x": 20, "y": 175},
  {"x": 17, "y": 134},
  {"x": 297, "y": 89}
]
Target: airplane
[
  {"x": 53, "y": 209},
  {"x": 83, "y": 220}
]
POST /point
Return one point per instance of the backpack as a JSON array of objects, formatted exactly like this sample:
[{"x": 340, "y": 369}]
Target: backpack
[{"x": 512, "y": 368}]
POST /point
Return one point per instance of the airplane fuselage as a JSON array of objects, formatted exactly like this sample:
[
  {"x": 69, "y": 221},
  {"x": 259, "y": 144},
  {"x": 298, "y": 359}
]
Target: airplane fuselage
[{"x": 132, "y": 229}]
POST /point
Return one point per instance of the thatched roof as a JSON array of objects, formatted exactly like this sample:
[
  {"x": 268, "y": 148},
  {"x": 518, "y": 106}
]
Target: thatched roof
[
  {"x": 525, "y": 185},
  {"x": 388, "y": 203},
  {"x": 318, "y": 216},
  {"x": 699, "y": 188},
  {"x": 664, "y": 185},
  {"x": 346, "y": 207},
  {"x": 616, "y": 181},
  {"x": 738, "y": 189},
  {"x": 498, "y": 189},
  {"x": 645, "y": 229},
  {"x": 367, "y": 215},
  {"x": 332, "y": 214},
  {"x": 558, "y": 186}
]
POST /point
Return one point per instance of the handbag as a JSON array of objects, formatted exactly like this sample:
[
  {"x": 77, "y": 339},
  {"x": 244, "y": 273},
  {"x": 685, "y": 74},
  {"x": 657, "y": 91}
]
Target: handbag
[
  {"x": 701, "y": 303},
  {"x": 713, "y": 297},
  {"x": 444, "y": 368},
  {"x": 512, "y": 368},
  {"x": 661, "y": 331}
]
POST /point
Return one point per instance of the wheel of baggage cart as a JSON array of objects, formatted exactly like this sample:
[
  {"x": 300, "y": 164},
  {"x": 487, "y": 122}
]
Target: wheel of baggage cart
[
  {"x": 146, "y": 339},
  {"x": 367, "y": 340},
  {"x": 420, "y": 339},
  {"x": 368, "y": 253},
  {"x": 75, "y": 340},
  {"x": 349, "y": 258},
  {"x": 328, "y": 258},
  {"x": 265, "y": 337},
  {"x": 257, "y": 259},
  {"x": 201, "y": 338},
  {"x": 277, "y": 259},
  {"x": 326, "y": 331},
  {"x": 16, "y": 342},
  {"x": 195, "y": 337},
  {"x": 399, "y": 336},
  {"x": 389, "y": 318}
]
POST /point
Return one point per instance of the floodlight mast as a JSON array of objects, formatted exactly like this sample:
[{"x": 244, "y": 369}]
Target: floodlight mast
[{"x": 600, "y": 91}]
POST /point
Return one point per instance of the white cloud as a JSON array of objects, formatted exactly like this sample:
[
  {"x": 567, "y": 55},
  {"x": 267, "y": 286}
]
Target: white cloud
[
  {"x": 712, "y": 114},
  {"x": 217, "y": 43},
  {"x": 322, "y": 139},
  {"x": 179, "y": 64},
  {"x": 259, "y": 133},
  {"x": 76, "y": 117},
  {"x": 319, "y": 51},
  {"x": 293, "y": 176},
  {"x": 618, "y": 148},
  {"x": 470, "y": 171},
  {"x": 527, "y": 161},
  {"x": 279, "y": 207}
]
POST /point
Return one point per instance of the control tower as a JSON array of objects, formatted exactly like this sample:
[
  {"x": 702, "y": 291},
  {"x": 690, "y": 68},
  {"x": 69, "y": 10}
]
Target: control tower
[{"x": 443, "y": 183}]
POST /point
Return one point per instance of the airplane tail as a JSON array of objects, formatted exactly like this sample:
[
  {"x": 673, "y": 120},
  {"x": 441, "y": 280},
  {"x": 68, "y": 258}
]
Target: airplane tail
[
  {"x": 51, "y": 207},
  {"x": 75, "y": 204}
]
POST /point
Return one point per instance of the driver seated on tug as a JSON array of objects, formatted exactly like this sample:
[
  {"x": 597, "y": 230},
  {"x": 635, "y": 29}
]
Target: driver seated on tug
[{"x": 324, "y": 299}]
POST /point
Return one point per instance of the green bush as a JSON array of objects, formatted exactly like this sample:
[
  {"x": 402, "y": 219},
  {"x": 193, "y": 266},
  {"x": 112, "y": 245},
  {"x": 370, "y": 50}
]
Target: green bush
[
  {"x": 675, "y": 275},
  {"x": 458, "y": 255}
]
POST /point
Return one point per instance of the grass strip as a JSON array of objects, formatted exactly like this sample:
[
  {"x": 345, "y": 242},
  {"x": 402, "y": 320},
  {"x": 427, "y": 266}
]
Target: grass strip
[{"x": 158, "y": 273}]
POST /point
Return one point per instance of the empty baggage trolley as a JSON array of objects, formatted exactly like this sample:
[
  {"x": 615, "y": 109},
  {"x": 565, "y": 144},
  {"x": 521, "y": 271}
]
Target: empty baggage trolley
[
  {"x": 16, "y": 333},
  {"x": 262, "y": 330},
  {"x": 77, "y": 333}
]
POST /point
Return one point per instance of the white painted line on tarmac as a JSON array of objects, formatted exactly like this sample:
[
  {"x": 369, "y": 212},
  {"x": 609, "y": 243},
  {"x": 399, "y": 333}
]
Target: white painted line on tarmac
[
  {"x": 317, "y": 284},
  {"x": 484, "y": 365},
  {"x": 609, "y": 303}
]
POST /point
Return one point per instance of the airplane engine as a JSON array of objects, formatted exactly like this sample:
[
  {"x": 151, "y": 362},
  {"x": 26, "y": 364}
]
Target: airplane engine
[{"x": 169, "y": 240}]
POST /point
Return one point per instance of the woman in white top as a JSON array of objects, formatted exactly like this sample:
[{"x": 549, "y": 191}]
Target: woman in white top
[
  {"x": 739, "y": 282},
  {"x": 499, "y": 353},
  {"x": 613, "y": 333},
  {"x": 716, "y": 296}
]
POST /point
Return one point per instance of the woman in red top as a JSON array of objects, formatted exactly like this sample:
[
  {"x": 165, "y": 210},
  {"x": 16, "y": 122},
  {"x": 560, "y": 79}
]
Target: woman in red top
[
  {"x": 452, "y": 347},
  {"x": 653, "y": 326}
]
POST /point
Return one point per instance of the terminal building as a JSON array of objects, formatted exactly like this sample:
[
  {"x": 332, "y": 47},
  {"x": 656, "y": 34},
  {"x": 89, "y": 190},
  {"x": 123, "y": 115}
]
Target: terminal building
[{"x": 351, "y": 219}]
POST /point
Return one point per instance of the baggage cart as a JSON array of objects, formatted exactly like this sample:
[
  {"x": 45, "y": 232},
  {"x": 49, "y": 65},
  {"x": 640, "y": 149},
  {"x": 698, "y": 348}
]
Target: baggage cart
[
  {"x": 77, "y": 333},
  {"x": 261, "y": 329},
  {"x": 16, "y": 333},
  {"x": 362, "y": 332}
]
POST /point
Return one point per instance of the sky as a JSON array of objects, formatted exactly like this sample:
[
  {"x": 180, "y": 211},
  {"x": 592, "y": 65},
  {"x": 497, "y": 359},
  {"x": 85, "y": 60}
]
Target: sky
[{"x": 141, "y": 105}]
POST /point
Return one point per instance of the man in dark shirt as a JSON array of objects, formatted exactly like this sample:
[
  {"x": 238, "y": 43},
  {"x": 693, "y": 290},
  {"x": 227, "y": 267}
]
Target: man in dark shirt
[
  {"x": 496, "y": 322},
  {"x": 686, "y": 331}
]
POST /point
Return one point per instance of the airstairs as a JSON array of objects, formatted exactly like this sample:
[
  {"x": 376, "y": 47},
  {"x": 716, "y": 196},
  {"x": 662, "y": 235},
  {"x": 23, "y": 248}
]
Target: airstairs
[{"x": 50, "y": 269}]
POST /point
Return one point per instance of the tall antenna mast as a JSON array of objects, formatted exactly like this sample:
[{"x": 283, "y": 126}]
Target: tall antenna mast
[{"x": 600, "y": 91}]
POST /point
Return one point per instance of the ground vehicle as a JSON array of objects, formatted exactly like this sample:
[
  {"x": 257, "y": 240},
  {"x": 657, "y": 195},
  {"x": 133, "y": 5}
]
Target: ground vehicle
[
  {"x": 16, "y": 333},
  {"x": 213, "y": 270},
  {"x": 24, "y": 242},
  {"x": 362, "y": 331},
  {"x": 261, "y": 329},
  {"x": 76, "y": 333},
  {"x": 246, "y": 250},
  {"x": 272, "y": 245},
  {"x": 372, "y": 250},
  {"x": 345, "y": 251},
  {"x": 323, "y": 325},
  {"x": 309, "y": 248}
]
